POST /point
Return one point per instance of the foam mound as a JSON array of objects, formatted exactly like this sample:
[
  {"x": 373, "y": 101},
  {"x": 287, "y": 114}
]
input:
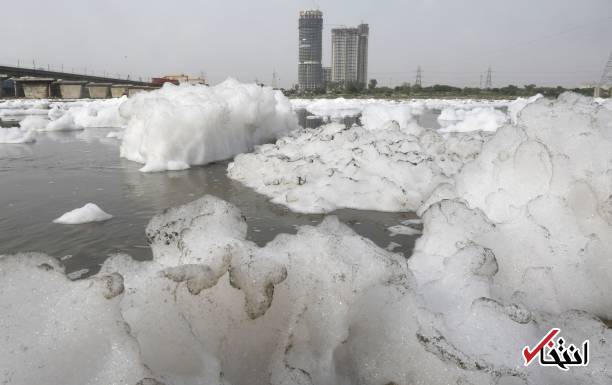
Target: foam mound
[
  {"x": 324, "y": 306},
  {"x": 179, "y": 126},
  {"x": 539, "y": 197},
  {"x": 86, "y": 214},
  {"x": 382, "y": 167}
]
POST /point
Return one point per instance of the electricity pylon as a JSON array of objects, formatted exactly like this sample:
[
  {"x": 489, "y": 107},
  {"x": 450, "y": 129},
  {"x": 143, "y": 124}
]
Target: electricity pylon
[
  {"x": 489, "y": 81},
  {"x": 419, "y": 79}
]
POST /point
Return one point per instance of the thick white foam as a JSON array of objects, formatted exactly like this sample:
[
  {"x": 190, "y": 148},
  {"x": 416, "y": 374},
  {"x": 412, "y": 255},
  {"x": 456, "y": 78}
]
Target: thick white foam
[
  {"x": 15, "y": 135},
  {"x": 324, "y": 306},
  {"x": 88, "y": 213},
  {"x": 515, "y": 241},
  {"x": 179, "y": 126}
]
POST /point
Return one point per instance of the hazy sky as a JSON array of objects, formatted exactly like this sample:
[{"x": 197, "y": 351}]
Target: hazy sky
[{"x": 547, "y": 42}]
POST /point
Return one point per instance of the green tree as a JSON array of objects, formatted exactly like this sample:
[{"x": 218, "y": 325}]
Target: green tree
[{"x": 354, "y": 87}]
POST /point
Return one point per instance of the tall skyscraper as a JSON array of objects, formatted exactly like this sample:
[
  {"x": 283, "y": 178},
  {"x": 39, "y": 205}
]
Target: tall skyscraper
[
  {"x": 310, "y": 49},
  {"x": 326, "y": 77},
  {"x": 350, "y": 54},
  {"x": 362, "y": 54}
]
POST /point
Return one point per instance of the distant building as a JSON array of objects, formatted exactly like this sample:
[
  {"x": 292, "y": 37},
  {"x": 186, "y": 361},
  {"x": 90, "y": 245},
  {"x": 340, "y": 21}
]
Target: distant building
[
  {"x": 310, "y": 49},
  {"x": 350, "y": 55},
  {"x": 362, "y": 53},
  {"x": 327, "y": 74},
  {"x": 179, "y": 79},
  {"x": 162, "y": 80}
]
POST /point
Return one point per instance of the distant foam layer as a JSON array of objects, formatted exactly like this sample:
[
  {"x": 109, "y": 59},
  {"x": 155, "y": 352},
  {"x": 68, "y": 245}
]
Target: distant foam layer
[
  {"x": 92, "y": 113},
  {"x": 341, "y": 107},
  {"x": 88, "y": 213},
  {"x": 179, "y": 126},
  {"x": 68, "y": 116},
  {"x": 476, "y": 119},
  {"x": 377, "y": 116}
]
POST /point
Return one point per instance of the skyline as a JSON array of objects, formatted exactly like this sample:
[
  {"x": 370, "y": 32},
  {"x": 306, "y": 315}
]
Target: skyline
[{"x": 547, "y": 43}]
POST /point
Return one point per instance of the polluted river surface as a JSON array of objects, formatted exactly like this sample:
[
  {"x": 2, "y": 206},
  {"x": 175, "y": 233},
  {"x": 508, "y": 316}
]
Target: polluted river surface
[{"x": 63, "y": 171}]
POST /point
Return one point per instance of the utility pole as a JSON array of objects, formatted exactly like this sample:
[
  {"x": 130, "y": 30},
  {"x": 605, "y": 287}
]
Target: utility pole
[
  {"x": 489, "y": 82},
  {"x": 606, "y": 78},
  {"x": 419, "y": 77}
]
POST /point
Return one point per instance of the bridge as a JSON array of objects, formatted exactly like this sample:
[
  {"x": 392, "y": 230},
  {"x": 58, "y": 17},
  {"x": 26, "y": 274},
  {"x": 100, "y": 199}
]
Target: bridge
[
  {"x": 41, "y": 84},
  {"x": 18, "y": 72}
]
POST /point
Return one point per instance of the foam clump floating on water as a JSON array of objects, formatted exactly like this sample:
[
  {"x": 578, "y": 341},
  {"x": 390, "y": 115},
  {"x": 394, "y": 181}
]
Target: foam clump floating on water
[
  {"x": 64, "y": 122},
  {"x": 378, "y": 116},
  {"x": 86, "y": 214},
  {"x": 16, "y": 135},
  {"x": 68, "y": 115},
  {"x": 338, "y": 108},
  {"x": 90, "y": 113},
  {"x": 476, "y": 119},
  {"x": 179, "y": 126},
  {"x": 115, "y": 135},
  {"x": 385, "y": 168}
]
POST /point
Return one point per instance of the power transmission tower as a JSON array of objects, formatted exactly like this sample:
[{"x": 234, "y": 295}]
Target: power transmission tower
[
  {"x": 419, "y": 77},
  {"x": 489, "y": 82},
  {"x": 606, "y": 77}
]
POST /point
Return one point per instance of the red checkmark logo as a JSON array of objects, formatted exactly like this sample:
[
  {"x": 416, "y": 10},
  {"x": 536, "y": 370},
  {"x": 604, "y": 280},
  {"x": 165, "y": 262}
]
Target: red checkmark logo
[{"x": 529, "y": 355}]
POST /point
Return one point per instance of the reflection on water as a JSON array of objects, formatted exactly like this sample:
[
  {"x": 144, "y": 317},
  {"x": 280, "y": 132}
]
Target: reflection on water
[{"x": 63, "y": 171}]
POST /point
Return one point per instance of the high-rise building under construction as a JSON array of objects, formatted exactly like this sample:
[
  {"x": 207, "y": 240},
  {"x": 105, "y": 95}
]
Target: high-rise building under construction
[
  {"x": 350, "y": 54},
  {"x": 310, "y": 49}
]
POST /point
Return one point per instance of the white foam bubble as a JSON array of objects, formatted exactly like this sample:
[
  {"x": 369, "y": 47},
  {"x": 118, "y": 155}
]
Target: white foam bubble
[{"x": 88, "y": 213}]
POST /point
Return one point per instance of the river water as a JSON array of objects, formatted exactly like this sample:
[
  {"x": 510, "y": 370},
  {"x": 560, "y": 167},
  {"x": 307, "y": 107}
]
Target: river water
[{"x": 63, "y": 171}]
